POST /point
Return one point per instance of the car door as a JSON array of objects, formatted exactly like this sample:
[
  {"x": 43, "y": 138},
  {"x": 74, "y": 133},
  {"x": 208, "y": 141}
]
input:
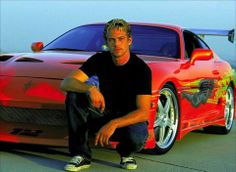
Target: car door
[{"x": 199, "y": 83}]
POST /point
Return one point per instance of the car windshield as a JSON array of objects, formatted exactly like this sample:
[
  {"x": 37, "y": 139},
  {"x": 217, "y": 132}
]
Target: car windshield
[{"x": 147, "y": 40}]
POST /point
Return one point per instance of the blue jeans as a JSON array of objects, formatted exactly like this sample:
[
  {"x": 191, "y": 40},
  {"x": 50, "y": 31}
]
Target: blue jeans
[{"x": 84, "y": 119}]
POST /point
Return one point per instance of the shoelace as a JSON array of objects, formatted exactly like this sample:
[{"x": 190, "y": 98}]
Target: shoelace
[
  {"x": 76, "y": 160},
  {"x": 127, "y": 159}
]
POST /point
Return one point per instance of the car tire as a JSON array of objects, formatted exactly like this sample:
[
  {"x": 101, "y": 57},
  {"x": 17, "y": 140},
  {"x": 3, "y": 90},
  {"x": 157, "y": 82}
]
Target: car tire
[
  {"x": 228, "y": 115},
  {"x": 166, "y": 123}
]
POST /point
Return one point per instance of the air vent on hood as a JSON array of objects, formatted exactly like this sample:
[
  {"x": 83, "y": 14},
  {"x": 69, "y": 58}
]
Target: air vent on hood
[
  {"x": 5, "y": 58},
  {"x": 28, "y": 59}
]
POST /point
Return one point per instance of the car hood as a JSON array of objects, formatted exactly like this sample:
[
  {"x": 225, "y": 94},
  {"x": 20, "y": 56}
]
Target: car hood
[
  {"x": 53, "y": 64},
  {"x": 44, "y": 64}
]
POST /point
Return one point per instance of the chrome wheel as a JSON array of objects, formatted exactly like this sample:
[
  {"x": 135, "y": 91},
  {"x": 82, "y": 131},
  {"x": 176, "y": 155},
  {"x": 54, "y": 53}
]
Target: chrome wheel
[
  {"x": 167, "y": 119},
  {"x": 228, "y": 115},
  {"x": 229, "y": 109}
]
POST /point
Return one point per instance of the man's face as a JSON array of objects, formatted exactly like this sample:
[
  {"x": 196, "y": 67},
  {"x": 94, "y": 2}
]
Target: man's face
[{"x": 118, "y": 42}]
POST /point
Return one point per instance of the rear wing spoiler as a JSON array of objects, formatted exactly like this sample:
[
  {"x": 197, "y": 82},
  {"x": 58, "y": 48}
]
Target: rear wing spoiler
[{"x": 214, "y": 32}]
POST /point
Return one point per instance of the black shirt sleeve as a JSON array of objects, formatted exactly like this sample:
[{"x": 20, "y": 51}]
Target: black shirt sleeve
[
  {"x": 144, "y": 81},
  {"x": 90, "y": 66},
  {"x": 142, "y": 76}
]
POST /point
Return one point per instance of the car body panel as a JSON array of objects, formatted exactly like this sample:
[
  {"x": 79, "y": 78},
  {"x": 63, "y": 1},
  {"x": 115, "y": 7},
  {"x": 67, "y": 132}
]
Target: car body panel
[{"x": 30, "y": 85}]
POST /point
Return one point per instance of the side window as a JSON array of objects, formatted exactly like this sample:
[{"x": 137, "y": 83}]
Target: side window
[
  {"x": 189, "y": 44},
  {"x": 192, "y": 42},
  {"x": 203, "y": 44}
]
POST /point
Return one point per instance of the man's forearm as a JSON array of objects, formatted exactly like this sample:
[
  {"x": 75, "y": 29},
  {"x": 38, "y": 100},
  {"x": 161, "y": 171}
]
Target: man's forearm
[
  {"x": 131, "y": 118},
  {"x": 141, "y": 114},
  {"x": 72, "y": 84}
]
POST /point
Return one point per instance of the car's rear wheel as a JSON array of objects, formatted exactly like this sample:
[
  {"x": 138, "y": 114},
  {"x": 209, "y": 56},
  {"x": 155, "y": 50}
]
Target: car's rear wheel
[
  {"x": 167, "y": 120},
  {"x": 228, "y": 114},
  {"x": 229, "y": 110}
]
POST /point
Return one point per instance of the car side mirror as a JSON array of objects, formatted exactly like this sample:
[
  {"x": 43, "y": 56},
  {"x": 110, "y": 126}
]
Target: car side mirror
[
  {"x": 201, "y": 54},
  {"x": 37, "y": 46}
]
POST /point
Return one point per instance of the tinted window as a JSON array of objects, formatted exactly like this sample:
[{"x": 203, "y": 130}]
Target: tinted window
[
  {"x": 87, "y": 38},
  {"x": 203, "y": 44},
  {"x": 192, "y": 42},
  {"x": 147, "y": 40},
  {"x": 155, "y": 41}
]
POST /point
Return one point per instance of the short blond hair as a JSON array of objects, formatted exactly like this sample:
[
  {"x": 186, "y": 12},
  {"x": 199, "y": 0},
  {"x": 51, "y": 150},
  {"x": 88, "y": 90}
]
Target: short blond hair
[{"x": 119, "y": 24}]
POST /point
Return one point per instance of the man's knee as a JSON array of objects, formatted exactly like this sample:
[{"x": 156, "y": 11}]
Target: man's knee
[
  {"x": 137, "y": 135},
  {"x": 138, "y": 141},
  {"x": 71, "y": 96}
]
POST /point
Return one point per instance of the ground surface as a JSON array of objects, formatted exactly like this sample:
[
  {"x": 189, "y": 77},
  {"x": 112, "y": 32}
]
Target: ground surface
[{"x": 196, "y": 152}]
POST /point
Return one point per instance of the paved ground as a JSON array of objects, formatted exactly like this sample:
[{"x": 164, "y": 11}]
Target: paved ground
[{"x": 197, "y": 152}]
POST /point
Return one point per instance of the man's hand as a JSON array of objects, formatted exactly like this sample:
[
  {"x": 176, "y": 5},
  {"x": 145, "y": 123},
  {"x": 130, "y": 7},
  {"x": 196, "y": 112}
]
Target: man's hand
[
  {"x": 97, "y": 99},
  {"x": 105, "y": 133}
]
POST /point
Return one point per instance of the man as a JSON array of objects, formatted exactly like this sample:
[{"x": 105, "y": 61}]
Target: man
[{"x": 118, "y": 110}]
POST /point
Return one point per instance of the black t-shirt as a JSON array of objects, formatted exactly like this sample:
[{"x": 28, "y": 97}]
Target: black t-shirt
[{"x": 119, "y": 84}]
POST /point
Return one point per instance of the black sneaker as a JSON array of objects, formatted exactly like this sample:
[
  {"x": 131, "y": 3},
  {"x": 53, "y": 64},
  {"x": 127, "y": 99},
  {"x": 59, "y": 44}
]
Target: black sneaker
[
  {"x": 77, "y": 163},
  {"x": 128, "y": 163}
]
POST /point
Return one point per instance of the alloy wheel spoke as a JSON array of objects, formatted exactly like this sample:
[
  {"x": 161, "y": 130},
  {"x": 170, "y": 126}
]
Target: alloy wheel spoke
[
  {"x": 158, "y": 122},
  {"x": 162, "y": 135},
  {"x": 160, "y": 115},
  {"x": 168, "y": 136},
  {"x": 160, "y": 107},
  {"x": 167, "y": 105},
  {"x": 169, "y": 123}
]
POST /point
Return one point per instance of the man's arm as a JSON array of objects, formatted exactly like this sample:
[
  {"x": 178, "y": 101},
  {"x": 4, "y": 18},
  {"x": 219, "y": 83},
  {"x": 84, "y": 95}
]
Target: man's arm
[
  {"x": 75, "y": 82},
  {"x": 141, "y": 114}
]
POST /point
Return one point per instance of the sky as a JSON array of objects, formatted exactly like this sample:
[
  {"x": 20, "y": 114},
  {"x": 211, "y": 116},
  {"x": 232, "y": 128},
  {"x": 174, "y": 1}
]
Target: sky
[{"x": 25, "y": 21}]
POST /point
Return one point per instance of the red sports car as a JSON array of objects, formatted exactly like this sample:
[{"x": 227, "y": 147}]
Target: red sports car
[{"x": 192, "y": 87}]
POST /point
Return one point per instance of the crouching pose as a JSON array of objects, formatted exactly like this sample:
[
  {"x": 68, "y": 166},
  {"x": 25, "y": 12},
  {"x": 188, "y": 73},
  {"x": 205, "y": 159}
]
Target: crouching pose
[{"x": 118, "y": 110}]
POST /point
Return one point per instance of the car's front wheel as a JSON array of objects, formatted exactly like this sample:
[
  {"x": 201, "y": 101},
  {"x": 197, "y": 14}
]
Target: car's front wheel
[{"x": 167, "y": 120}]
